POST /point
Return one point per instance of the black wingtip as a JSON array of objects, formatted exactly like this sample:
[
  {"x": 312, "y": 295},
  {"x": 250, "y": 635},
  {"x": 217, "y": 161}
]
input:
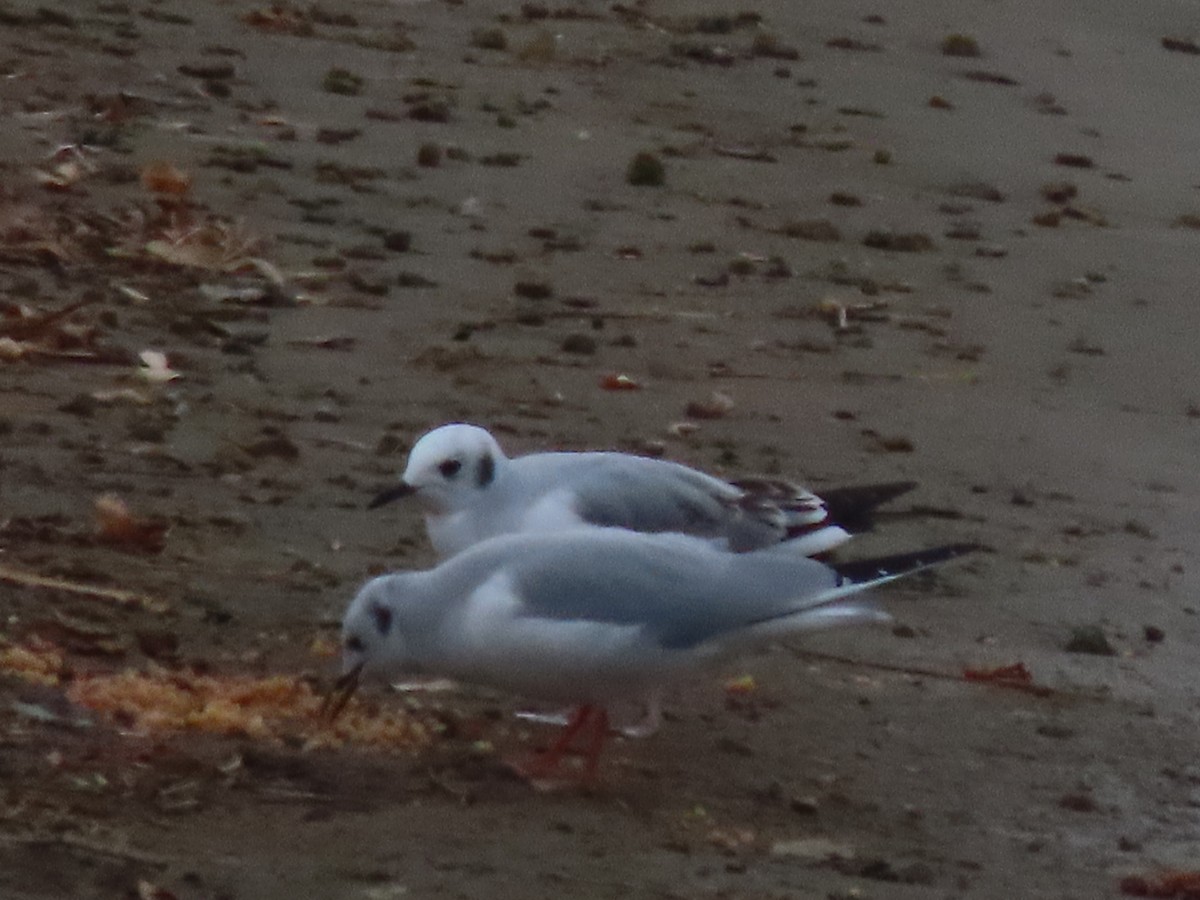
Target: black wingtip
[
  {"x": 861, "y": 570},
  {"x": 403, "y": 489},
  {"x": 851, "y": 507}
]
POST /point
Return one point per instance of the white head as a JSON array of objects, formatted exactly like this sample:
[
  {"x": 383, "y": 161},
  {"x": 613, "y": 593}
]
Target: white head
[
  {"x": 372, "y": 643},
  {"x": 448, "y": 467}
]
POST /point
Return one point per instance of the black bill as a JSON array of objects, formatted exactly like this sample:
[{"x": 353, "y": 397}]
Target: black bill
[
  {"x": 339, "y": 695},
  {"x": 403, "y": 489}
]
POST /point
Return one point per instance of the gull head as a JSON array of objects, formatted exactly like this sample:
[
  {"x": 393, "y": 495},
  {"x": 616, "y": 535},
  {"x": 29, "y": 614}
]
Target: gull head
[
  {"x": 450, "y": 466},
  {"x": 371, "y": 642},
  {"x": 372, "y": 647}
]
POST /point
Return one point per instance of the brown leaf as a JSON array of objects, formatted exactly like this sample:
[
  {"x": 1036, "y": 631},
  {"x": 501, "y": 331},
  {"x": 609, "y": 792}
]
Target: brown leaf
[
  {"x": 619, "y": 382},
  {"x": 715, "y": 407},
  {"x": 116, "y": 525},
  {"x": 164, "y": 178},
  {"x": 149, "y": 891}
]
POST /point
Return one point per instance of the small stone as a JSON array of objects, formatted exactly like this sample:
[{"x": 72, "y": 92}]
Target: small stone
[
  {"x": 582, "y": 344},
  {"x": 397, "y": 241},
  {"x": 902, "y": 242},
  {"x": 533, "y": 290},
  {"x": 489, "y": 39},
  {"x": 1153, "y": 634},
  {"x": 429, "y": 156},
  {"x": 1056, "y": 731},
  {"x": 277, "y": 445},
  {"x": 960, "y": 45},
  {"x": 821, "y": 230},
  {"x": 1089, "y": 639},
  {"x": 1060, "y": 192},
  {"x": 646, "y": 170},
  {"x": 804, "y": 806},
  {"x": 81, "y": 405},
  {"x": 1075, "y": 160},
  {"x": 1078, "y": 802}
]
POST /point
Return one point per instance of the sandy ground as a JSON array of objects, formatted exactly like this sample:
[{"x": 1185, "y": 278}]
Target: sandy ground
[{"x": 1013, "y": 238}]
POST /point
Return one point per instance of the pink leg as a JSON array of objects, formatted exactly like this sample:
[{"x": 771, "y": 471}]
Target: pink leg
[
  {"x": 599, "y": 735},
  {"x": 546, "y": 763}
]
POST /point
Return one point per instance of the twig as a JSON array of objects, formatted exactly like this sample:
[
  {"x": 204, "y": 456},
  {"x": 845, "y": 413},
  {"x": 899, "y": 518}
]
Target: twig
[
  {"x": 1036, "y": 690},
  {"x": 91, "y": 591},
  {"x": 88, "y": 846},
  {"x": 21, "y": 328}
]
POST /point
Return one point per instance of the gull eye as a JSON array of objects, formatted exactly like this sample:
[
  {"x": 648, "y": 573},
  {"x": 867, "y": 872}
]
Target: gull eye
[
  {"x": 354, "y": 644},
  {"x": 449, "y": 467}
]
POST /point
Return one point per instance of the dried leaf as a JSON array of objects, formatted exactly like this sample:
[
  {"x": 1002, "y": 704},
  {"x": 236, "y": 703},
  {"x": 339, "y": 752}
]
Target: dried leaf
[
  {"x": 11, "y": 350},
  {"x": 619, "y": 382},
  {"x": 121, "y": 395},
  {"x": 154, "y": 367},
  {"x": 743, "y": 685},
  {"x": 717, "y": 406},
  {"x": 115, "y": 524},
  {"x": 164, "y": 178},
  {"x": 148, "y": 891},
  {"x": 683, "y": 429},
  {"x": 216, "y": 246},
  {"x": 39, "y": 661},
  {"x": 1016, "y": 676},
  {"x": 1014, "y": 673},
  {"x": 62, "y": 177},
  {"x": 1172, "y": 883}
]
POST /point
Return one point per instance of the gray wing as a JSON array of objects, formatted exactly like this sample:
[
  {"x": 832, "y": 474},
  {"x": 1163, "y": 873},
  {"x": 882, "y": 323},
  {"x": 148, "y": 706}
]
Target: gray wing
[
  {"x": 680, "y": 591},
  {"x": 655, "y": 496}
]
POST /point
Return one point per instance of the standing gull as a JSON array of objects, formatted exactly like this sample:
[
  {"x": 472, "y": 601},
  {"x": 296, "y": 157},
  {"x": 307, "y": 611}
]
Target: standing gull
[
  {"x": 470, "y": 491},
  {"x": 593, "y": 616}
]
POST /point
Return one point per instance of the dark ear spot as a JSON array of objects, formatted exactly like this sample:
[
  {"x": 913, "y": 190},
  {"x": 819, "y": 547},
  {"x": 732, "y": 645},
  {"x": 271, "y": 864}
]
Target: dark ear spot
[
  {"x": 383, "y": 618},
  {"x": 487, "y": 470}
]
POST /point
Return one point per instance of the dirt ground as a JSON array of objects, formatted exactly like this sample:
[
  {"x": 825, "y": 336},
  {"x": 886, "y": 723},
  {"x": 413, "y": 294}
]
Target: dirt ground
[{"x": 954, "y": 242}]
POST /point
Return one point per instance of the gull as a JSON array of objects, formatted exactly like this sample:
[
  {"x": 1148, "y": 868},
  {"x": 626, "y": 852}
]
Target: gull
[
  {"x": 469, "y": 491},
  {"x": 594, "y": 616}
]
